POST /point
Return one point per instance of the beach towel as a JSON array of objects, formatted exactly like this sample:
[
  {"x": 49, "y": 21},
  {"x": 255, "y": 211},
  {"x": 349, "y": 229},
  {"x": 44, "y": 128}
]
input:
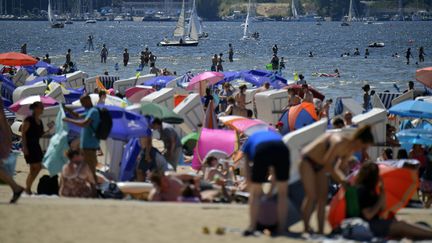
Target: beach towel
[{"x": 55, "y": 158}]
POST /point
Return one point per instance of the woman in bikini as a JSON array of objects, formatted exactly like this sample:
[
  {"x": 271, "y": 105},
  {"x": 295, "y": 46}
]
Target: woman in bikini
[{"x": 324, "y": 156}]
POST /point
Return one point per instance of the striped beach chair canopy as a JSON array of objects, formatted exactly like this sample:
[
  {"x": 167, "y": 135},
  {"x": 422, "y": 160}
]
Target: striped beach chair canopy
[{"x": 387, "y": 97}]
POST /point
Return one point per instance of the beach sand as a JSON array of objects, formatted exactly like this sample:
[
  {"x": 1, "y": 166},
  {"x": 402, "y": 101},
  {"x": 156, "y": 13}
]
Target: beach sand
[{"x": 58, "y": 220}]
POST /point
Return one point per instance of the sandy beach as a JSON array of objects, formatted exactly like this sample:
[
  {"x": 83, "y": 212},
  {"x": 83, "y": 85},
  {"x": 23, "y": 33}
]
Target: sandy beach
[{"x": 57, "y": 220}]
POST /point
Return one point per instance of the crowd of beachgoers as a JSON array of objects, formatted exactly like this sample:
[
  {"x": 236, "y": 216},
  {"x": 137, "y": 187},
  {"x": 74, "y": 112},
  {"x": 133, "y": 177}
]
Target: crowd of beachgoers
[{"x": 260, "y": 158}]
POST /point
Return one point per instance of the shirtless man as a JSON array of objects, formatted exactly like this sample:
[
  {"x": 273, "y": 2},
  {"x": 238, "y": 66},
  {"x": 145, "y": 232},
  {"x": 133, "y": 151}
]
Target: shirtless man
[{"x": 324, "y": 156}]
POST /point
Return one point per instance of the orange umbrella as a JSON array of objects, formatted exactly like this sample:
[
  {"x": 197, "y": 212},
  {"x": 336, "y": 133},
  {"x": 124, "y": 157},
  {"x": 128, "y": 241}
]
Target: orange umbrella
[
  {"x": 400, "y": 184},
  {"x": 424, "y": 76},
  {"x": 16, "y": 59}
]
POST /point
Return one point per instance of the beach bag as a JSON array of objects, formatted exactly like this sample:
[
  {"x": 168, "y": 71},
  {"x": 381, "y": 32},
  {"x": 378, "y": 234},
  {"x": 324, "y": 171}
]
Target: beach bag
[
  {"x": 105, "y": 124},
  {"x": 55, "y": 158},
  {"x": 356, "y": 229},
  {"x": 48, "y": 185},
  {"x": 110, "y": 190}
]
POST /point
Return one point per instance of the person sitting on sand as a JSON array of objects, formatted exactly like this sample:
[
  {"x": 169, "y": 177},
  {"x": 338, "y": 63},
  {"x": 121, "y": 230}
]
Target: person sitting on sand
[
  {"x": 212, "y": 174},
  {"x": 348, "y": 119},
  {"x": 338, "y": 123},
  {"x": 321, "y": 157},
  {"x": 372, "y": 203},
  {"x": 166, "y": 188},
  {"x": 325, "y": 110},
  {"x": 76, "y": 179},
  {"x": 386, "y": 154}
]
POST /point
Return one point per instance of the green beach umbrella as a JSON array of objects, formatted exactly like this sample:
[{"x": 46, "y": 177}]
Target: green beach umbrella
[
  {"x": 161, "y": 112},
  {"x": 189, "y": 141}
]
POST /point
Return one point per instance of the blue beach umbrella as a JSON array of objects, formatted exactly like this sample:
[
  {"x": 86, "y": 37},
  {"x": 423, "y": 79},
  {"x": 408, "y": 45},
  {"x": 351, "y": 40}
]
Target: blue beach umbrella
[
  {"x": 415, "y": 136},
  {"x": 126, "y": 124},
  {"x": 49, "y": 78},
  {"x": 160, "y": 81},
  {"x": 413, "y": 108}
]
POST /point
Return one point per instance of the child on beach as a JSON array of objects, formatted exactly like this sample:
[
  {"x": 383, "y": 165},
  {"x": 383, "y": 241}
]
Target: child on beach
[{"x": 323, "y": 156}]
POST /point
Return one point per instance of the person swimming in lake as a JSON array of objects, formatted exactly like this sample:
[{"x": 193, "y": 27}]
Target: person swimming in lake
[
  {"x": 324, "y": 156},
  {"x": 311, "y": 54}
]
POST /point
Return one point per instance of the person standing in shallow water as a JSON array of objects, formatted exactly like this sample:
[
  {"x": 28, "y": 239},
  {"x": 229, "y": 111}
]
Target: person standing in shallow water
[
  {"x": 230, "y": 53},
  {"x": 104, "y": 54},
  {"x": 214, "y": 63},
  {"x": 24, "y": 48},
  {"x": 125, "y": 57},
  {"x": 408, "y": 55},
  {"x": 421, "y": 54},
  {"x": 32, "y": 131},
  {"x": 219, "y": 67},
  {"x": 68, "y": 56}
]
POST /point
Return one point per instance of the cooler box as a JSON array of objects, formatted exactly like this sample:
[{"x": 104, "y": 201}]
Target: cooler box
[
  {"x": 270, "y": 104},
  {"x": 164, "y": 97},
  {"x": 192, "y": 111}
]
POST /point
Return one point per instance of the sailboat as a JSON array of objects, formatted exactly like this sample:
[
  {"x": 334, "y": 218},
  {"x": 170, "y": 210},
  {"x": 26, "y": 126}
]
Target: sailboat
[
  {"x": 195, "y": 18},
  {"x": 348, "y": 19},
  {"x": 246, "y": 26},
  {"x": 187, "y": 38},
  {"x": 51, "y": 18},
  {"x": 294, "y": 11}
]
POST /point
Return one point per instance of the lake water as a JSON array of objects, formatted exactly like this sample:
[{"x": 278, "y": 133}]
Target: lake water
[{"x": 295, "y": 40}]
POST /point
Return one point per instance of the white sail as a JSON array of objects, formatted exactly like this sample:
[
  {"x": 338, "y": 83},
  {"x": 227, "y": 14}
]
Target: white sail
[
  {"x": 350, "y": 11},
  {"x": 51, "y": 18},
  {"x": 294, "y": 9},
  {"x": 193, "y": 30},
  {"x": 179, "y": 30},
  {"x": 193, "y": 34},
  {"x": 247, "y": 21}
]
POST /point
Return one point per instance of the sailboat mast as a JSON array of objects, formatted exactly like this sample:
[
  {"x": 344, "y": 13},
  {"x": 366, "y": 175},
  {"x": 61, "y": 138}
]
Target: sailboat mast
[{"x": 350, "y": 11}]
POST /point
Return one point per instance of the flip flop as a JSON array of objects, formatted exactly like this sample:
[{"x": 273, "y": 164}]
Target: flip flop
[{"x": 16, "y": 196}]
